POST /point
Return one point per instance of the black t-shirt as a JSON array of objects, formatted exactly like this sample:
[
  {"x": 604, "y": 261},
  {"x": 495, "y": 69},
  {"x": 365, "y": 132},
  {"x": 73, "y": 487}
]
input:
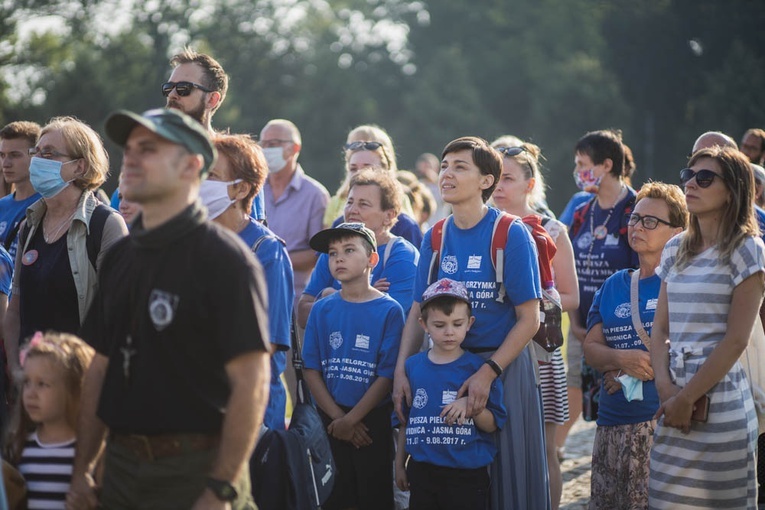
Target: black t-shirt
[
  {"x": 174, "y": 305},
  {"x": 48, "y": 297}
]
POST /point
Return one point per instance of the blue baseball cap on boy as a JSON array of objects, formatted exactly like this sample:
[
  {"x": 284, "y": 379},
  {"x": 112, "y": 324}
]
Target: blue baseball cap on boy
[{"x": 445, "y": 287}]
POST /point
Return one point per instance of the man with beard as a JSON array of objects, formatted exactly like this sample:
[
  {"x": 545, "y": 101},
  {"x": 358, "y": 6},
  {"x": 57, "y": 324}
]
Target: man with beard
[
  {"x": 753, "y": 145},
  {"x": 197, "y": 86}
]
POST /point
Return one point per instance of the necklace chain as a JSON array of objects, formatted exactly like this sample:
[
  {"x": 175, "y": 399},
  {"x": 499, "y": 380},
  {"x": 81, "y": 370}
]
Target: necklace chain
[
  {"x": 603, "y": 227},
  {"x": 54, "y": 234}
]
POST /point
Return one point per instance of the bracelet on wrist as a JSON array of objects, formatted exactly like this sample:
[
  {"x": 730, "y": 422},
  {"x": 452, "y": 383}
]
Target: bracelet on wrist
[{"x": 494, "y": 366}]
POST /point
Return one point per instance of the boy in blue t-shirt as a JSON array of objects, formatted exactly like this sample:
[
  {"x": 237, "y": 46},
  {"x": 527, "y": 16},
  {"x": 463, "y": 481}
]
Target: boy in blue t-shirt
[
  {"x": 450, "y": 451},
  {"x": 349, "y": 353}
]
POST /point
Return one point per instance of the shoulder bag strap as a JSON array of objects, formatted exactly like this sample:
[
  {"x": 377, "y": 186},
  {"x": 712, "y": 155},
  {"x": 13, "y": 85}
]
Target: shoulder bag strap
[{"x": 636, "y": 322}]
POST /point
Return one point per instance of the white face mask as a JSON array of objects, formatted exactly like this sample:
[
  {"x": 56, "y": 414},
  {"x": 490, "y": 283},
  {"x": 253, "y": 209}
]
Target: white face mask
[
  {"x": 275, "y": 159},
  {"x": 214, "y": 196}
]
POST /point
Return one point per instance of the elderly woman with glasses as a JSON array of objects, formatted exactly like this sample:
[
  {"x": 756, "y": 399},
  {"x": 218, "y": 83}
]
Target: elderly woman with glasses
[
  {"x": 65, "y": 235},
  {"x": 711, "y": 291},
  {"x": 617, "y": 344}
]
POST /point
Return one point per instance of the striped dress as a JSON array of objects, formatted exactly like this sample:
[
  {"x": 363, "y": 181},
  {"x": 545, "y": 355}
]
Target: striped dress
[
  {"x": 713, "y": 466},
  {"x": 47, "y": 469}
]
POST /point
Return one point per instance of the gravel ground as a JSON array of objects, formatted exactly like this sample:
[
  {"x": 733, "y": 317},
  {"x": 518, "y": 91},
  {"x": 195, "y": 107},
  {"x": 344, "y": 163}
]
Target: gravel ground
[{"x": 576, "y": 466}]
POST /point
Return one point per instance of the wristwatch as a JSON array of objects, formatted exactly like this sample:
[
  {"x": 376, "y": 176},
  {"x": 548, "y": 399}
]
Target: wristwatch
[{"x": 222, "y": 489}]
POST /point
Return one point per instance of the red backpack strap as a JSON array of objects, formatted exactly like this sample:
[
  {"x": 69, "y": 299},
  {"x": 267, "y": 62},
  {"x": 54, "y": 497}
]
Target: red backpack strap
[
  {"x": 436, "y": 242},
  {"x": 579, "y": 216},
  {"x": 545, "y": 246},
  {"x": 499, "y": 237}
]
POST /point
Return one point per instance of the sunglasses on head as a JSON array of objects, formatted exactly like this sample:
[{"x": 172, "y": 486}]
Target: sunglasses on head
[
  {"x": 704, "y": 178},
  {"x": 358, "y": 146},
  {"x": 511, "y": 151},
  {"x": 183, "y": 88}
]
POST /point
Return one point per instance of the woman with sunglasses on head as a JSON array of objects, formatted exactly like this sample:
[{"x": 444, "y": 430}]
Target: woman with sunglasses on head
[
  {"x": 369, "y": 146},
  {"x": 374, "y": 199},
  {"x": 520, "y": 188},
  {"x": 617, "y": 345},
  {"x": 505, "y": 303},
  {"x": 703, "y": 454},
  {"x": 64, "y": 237},
  {"x": 599, "y": 237}
]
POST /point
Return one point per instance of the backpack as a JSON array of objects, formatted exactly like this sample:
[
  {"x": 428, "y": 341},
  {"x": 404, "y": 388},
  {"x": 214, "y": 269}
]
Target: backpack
[
  {"x": 293, "y": 469},
  {"x": 545, "y": 246}
]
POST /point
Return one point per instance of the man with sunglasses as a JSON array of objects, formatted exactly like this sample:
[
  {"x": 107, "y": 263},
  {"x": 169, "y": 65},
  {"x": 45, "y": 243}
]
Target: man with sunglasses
[
  {"x": 197, "y": 86},
  {"x": 295, "y": 202}
]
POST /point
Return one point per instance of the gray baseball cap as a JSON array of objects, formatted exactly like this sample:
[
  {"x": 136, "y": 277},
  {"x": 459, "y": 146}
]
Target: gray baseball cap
[{"x": 171, "y": 125}]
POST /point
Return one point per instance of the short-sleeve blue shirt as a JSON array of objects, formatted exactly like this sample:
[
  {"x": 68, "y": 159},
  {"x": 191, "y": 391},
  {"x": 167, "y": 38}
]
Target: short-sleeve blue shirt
[
  {"x": 399, "y": 270},
  {"x": 597, "y": 259},
  {"x": 12, "y": 211},
  {"x": 6, "y": 272},
  {"x": 428, "y": 438},
  {"x": 277, "y": 268},
  {"x": 352, "y": 344},
  {"x": 466, "y": 257},
  {"x": 611, "y": 307}
]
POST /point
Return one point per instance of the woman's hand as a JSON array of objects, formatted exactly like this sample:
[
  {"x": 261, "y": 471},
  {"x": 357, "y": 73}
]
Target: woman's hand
[
  {"x": 610, "y": 383},
  {"x": 677, "y": 413},
  {"x": 667, "y": 390},
  {"x": 383, "y": 285},
  {"x": 477, "y": 389},
  {"x": 402, "y": 395},
  {"x": 637, "y": 363},
  {"x": 456, "y": 412}
]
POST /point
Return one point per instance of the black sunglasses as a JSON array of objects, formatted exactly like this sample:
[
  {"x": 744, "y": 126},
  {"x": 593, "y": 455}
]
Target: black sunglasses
[
  {"x": 183, "y": 88},
  {"x": 649, "y": 222},
  {"x": 357, "y": 146},
  {"x": 703, "y": 177},
  {"x": 511, "y": 151}
]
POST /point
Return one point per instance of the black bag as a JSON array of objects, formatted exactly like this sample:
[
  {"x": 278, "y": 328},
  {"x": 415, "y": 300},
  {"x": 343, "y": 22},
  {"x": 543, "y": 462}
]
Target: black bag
[
  {"x": 293, "y": 469},
  {"x": 591, "y": 382}
]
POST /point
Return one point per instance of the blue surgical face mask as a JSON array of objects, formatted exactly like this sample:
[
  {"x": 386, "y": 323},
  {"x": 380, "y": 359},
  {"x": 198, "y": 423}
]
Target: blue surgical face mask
[{"x": 45, "y": 176}]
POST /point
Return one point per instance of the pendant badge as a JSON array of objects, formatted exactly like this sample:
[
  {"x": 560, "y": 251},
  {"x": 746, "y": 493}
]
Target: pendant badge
[
  {"x": 30, "y": 257},
  {"x": 600, "y": 232}
]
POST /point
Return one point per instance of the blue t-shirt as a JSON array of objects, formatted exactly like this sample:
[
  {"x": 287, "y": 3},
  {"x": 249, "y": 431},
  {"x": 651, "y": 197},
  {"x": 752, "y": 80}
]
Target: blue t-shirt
[
  {"x": 6, "y": 272},
  {"x": 611, "y": 307},
  {"x": 277, "y": 269},
  {"x": 567, "y": 216},
  {"x": 399, "y": 270},
  {"x": 115, "y": 200},
  {"x": 597, "y": 259},
  {"x": 428, "y": 438},
  {"x": 466, "y": 257},
  {"x": 12, "y": 211},
  {"x": 352, "y": 344},
  {"x": 760, "y": 215},
  {"x": 258, "y": 211},
  {"x": 405, "y": 227}
]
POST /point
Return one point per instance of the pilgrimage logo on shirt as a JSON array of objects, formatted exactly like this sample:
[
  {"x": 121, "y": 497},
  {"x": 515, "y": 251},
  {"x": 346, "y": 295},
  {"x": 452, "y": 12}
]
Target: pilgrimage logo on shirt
[
  {"x": 651, "y": 304},
  {"x": 362, "y": 342},
  {"x": 448, "y": 396},
  {"x": 162, "y": 307},
  {"x": 474, "y": 262},
  {"x": 623, "y": 311},
  {"x": 420, "y": 399},
  {"x": 335, "y": 339},
  {"x": 449, "y": 264}
]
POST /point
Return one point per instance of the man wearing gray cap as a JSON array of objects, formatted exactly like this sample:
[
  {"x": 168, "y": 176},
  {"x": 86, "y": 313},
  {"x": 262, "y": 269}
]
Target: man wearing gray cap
[{"x": 181, "y": 372}]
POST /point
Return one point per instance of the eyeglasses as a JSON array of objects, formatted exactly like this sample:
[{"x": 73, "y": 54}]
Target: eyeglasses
[
  {"x": 358, "y": 146},
  {"x": 703, "y": 177},
  {"x": 47, "y": 153},
  {"x": 183, "y": 88},
  {"x": 649, "y": 222},
  {"x": 511, "y": 151},
  {"x": 274, "y": 142}
]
